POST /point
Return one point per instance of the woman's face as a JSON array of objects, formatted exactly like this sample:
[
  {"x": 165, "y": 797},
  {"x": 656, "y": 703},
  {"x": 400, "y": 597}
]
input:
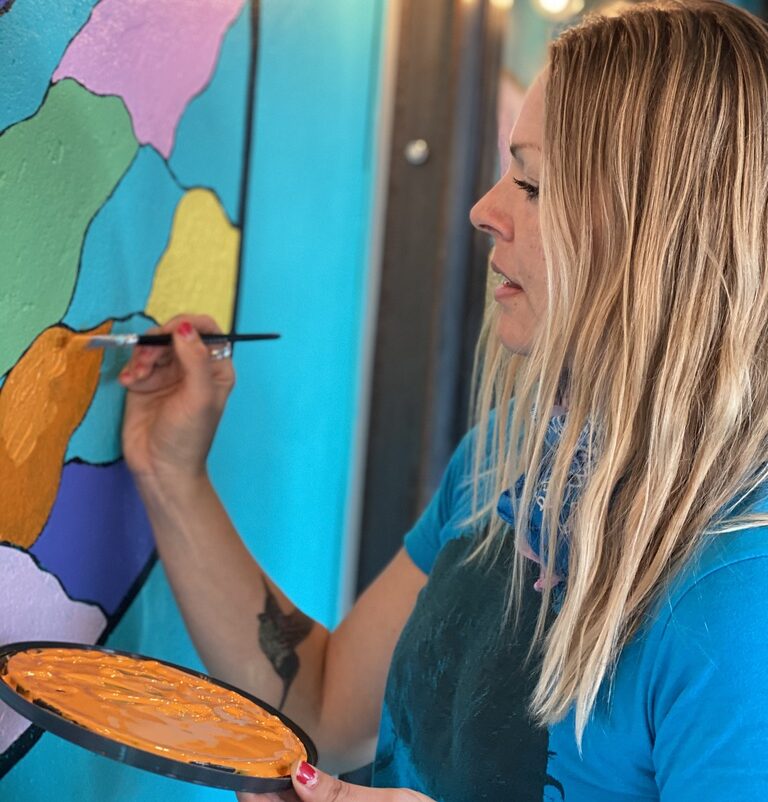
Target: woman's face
[{"x": 509, "y": 212}]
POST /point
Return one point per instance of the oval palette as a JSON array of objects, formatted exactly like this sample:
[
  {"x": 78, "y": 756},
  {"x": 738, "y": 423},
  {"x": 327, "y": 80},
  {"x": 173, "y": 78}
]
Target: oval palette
[{"x": 153, "y": 715}]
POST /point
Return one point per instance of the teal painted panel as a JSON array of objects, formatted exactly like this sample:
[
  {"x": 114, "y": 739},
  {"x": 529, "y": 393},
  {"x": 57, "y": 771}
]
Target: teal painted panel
[
  {"x": 27, "y": 59},
  {"x": 289, "y": 427},
  {"x": 126, "y": 238},
  {"x": 204, "y": 129}
]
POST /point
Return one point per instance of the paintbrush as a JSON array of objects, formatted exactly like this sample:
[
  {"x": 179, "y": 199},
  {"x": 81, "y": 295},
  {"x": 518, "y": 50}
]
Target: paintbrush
[{"x": 128, "y": 340}]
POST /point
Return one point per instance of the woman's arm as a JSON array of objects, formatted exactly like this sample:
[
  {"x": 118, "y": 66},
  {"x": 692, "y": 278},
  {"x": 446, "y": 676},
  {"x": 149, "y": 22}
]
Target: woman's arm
[
  {"x": 246, "y": 630},
  {"x": 249, "y": 634}
]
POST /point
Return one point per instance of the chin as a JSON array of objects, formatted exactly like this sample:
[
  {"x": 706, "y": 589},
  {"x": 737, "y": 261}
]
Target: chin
[{"x": 512, "y": 338}]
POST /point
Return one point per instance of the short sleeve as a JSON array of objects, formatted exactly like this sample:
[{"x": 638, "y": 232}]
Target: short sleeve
[
  {"x": 433, "y": 529},
  {"x": 708, "y": 702}
]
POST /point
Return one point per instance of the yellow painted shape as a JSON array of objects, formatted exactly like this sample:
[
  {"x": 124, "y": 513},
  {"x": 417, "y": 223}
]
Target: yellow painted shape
[
  {"x": 198, "y": 271},
  {"x": 42, "y": 402}
]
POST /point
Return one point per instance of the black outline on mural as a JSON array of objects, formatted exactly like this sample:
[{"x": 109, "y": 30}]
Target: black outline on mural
[
  {"x": 183, "y": 189},
  {"x": 88, "y": 229},
  {"x": 29, "y": 738},
  {"x": 50, "y": 77},
  {"x": 88, "y": 224},
  {"x": 237, "y": 223},
  {"x": 77, "y": 459},
  {"x": 24, "y": 743},
  {"x": 250, "y": 114},
  {"x": 8, "y": 545},
  {"x": 193, "y": 97}
]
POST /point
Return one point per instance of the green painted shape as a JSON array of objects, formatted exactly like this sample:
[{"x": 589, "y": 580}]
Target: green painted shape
[{"x": 56, "y": 170}]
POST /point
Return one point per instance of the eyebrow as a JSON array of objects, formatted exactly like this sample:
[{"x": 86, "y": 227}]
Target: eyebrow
[{"x": 516, "y": 147}]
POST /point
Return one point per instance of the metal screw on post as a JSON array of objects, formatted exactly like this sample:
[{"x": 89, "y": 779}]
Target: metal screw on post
[{"x": 417, "y": 152}]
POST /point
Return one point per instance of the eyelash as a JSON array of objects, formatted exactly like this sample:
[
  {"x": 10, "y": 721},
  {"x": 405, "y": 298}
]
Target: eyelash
[{"x": 530, "y": 190}]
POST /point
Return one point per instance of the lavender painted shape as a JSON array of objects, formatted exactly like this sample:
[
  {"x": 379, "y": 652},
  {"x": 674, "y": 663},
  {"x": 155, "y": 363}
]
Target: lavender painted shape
[
  {"x": 97, "y": 540},
  {"x": 155, "y": 55},
  {"x": 35, "y": 607}
]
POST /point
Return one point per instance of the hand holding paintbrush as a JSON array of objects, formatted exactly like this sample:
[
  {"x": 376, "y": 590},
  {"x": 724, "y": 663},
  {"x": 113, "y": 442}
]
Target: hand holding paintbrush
[{"x": 176, "y": 395}]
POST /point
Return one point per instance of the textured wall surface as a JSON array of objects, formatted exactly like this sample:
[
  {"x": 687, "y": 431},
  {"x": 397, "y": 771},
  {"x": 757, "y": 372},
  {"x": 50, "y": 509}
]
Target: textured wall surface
[{"x": 123, "y": 200}]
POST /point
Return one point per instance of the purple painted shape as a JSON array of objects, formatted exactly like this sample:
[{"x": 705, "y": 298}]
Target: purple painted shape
[
  {"x": 97, "y": 540},
  {"x": 155, "y": 54}
]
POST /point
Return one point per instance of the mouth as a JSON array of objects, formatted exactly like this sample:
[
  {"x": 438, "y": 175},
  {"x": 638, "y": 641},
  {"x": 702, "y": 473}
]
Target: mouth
[{"x": 506, "y": 281}]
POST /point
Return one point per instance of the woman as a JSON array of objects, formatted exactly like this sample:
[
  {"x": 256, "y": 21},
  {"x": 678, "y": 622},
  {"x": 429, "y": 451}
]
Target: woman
[{"x": 613, "y": 647}]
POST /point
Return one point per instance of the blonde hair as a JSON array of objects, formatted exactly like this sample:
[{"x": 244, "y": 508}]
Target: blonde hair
[{"x": 653, "y": 208}]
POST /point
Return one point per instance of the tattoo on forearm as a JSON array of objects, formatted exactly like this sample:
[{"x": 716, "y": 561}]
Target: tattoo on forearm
[{"x": 279, "y": 635}]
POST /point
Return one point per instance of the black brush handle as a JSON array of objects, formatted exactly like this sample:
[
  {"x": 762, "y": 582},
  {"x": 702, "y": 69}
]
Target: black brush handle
[{"x": 165, "y": 339}]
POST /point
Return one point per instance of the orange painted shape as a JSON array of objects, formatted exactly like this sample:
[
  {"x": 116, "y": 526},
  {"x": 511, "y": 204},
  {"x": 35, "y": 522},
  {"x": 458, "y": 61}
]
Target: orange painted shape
[{"x": 42, "y": 402}]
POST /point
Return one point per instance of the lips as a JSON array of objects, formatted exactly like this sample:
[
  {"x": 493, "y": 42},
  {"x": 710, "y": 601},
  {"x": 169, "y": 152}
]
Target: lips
[{"x": 507, "y": 280}]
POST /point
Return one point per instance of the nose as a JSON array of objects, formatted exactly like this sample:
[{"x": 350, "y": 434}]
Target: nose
[{"x": 491, "y": 215}]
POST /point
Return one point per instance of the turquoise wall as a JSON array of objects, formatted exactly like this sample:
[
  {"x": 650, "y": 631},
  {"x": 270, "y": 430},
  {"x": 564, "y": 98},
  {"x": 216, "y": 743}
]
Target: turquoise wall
[
  {"x": 285, "y": 475},
  {"x": 282, "y": 457}
]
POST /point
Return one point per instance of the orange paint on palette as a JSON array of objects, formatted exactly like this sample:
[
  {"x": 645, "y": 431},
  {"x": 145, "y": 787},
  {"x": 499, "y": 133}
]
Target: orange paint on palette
[
  {"x": 156, "y": 707},
  {"x": 42, "y": 402}
]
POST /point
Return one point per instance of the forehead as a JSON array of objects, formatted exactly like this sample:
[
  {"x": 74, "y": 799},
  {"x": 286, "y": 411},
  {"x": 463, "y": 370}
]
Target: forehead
[{"x": 529, "y": 127}]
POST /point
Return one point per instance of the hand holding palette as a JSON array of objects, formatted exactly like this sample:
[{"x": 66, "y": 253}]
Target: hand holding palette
[{"x": 153, "y": 715}]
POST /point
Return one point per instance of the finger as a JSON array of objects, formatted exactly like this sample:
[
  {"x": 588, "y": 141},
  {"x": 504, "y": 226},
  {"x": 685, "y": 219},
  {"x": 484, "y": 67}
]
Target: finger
[
  {"x": 152, "y": 371},
  {"x": 220, "y": 370},
  {"x": 138, "y": 352},
  {"x": 148, "y": 357},
  {"x": 313, "y": 785},
  {"x": 195, "y": 359},
  {"x": 277, "y": 796},
  {"x": 139, "y": 372},
  {"x": 151, "y": 355},
  {"x": 150, "y": 380},
  {"x": 205, "y": 324}
]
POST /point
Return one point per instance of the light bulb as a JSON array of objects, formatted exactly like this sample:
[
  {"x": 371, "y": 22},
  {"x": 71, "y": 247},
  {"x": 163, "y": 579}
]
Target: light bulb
[{"x": 559, "y": 9}]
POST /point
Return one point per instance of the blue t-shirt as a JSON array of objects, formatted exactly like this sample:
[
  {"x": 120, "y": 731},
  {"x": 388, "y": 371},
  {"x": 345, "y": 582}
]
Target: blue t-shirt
[{"x": 687, "y": 718}]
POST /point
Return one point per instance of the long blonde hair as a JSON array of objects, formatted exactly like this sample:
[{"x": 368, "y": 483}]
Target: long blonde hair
[{"x": 654, "y": 220}]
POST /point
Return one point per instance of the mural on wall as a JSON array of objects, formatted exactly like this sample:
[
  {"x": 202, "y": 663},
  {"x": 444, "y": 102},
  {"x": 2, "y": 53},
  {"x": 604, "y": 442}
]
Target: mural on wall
[{"x": 122, "y": 131}]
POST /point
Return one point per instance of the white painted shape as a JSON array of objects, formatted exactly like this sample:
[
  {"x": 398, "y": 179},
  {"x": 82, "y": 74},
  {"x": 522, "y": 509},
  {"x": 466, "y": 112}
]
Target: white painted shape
[{"x": 35, "y": 607}]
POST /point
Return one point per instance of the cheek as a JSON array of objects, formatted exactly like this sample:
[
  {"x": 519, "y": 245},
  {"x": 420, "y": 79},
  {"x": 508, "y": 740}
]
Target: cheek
[{"x": 533, "y": 271}]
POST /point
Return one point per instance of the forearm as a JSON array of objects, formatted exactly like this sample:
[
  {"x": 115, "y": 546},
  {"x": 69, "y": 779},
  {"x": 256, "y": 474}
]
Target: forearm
[{"x": 245, "y": 629}]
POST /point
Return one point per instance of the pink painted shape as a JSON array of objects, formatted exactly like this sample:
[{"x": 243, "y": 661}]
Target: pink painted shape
[
  {"x": 35, "y": 607},
  {"x": 155, "y": 54}
]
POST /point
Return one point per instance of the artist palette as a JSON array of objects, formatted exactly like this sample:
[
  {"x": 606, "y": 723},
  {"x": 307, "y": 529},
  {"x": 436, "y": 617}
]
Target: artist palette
[{"x": 153, "y": 715}]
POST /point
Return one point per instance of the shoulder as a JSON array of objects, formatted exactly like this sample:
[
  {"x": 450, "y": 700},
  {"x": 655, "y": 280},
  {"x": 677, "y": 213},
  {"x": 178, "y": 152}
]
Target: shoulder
[
  {"x": 714, "y": 615},
  {"x": 723, "y": 562},
  {"x": 707, "y": 691},
  {"x": 448, "y": 514}
]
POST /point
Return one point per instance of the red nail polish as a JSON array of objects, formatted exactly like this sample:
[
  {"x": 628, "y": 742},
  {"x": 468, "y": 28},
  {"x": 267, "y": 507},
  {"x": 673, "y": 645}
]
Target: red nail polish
[
  {"x": 185, "y": 329},
  {"x": 306, "y": 774}
]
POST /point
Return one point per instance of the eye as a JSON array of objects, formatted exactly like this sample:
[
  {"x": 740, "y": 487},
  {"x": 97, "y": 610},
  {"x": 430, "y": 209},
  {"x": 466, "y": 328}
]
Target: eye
[{"x": 530, "y": 190}]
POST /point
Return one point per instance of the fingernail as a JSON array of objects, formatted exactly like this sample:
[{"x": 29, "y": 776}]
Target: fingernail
[
  {"x": 185, "y": 329},
  {"x": 141, "y": 371},
  {"x": 306, "y": 774}
]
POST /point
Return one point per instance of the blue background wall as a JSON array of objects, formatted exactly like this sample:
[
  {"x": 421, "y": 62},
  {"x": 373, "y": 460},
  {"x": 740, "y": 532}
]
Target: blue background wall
[{"x": 306, "y": 252}]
